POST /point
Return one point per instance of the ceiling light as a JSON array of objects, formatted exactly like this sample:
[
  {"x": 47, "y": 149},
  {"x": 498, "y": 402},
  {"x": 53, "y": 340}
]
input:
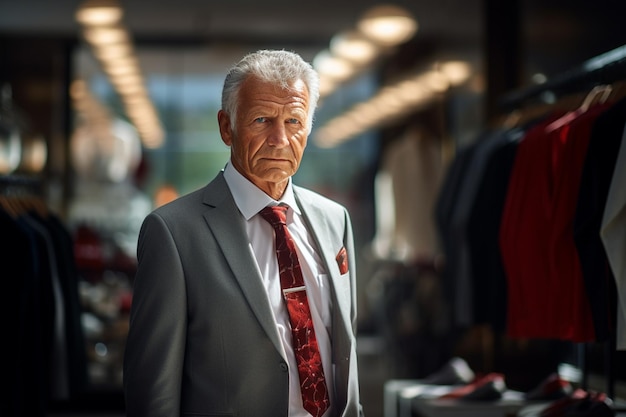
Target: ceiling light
[
  {"x": 113, "y": 51},
  {"x": 334, "y": 67},
  {"x": 437, "y": 81},
  {"x": 99, "y": 12},
  {"x": 106, "y": 35},
  {"x": 121, "y": 67},
  {"x": 353, "y": 46},
  {"x": 457, "y": 71},
  {"x": 388, "y": 25},
  {"x": 128, "y": 88},
  {"x": 111, "y": 43}
]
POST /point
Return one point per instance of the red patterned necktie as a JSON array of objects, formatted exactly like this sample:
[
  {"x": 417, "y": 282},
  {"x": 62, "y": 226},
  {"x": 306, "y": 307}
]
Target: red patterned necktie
[{"x": 312, "y": 382}]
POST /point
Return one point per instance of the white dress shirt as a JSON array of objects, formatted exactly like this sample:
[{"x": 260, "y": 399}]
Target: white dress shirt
[{"x": 250, "y": 200}]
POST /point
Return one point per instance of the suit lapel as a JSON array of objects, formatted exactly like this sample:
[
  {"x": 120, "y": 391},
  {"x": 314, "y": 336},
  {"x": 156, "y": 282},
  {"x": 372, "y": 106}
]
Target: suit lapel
[{"x": 226, "y": 223}]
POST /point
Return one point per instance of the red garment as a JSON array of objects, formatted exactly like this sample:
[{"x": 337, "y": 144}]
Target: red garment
[{"x": 545, "y": 284}]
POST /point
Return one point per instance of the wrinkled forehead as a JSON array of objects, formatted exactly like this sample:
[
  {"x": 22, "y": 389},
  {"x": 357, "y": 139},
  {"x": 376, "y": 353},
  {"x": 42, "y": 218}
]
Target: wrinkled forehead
[
  {"x": 279, "y": 86},
  {"x": 257, "y": 91}
]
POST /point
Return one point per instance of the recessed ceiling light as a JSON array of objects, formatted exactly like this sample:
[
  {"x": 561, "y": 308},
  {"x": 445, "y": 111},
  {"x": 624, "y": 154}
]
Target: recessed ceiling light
[
  {"x": 99, "y": 12},
  {"x": 388, "y": 25}
]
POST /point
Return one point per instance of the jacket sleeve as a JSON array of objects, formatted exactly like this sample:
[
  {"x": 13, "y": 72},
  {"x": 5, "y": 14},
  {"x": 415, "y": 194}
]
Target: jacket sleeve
[
  {"x": 353, "y": 407},
  {"x": 156, "y": 339}
]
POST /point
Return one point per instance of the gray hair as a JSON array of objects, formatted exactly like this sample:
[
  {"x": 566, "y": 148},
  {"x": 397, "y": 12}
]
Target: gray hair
[{"x": 280, "y": 67}]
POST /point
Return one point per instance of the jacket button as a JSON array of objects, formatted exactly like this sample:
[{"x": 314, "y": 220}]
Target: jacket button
[{"x": 284, "y": 367}]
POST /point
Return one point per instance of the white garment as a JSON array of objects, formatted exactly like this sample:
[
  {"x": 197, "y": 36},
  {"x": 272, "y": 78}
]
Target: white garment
[
  {"x": 406, "y": 193},
  {"x": 613, "y": 234}
]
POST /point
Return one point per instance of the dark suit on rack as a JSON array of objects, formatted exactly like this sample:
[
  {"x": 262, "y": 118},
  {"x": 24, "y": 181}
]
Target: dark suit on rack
[
  {"x": 21, "y": 309},
  {"x": 204, "y": 282},
  {"x": 36, "y": 251},
  {"x": 445, "y": 206},
  {"x": 604, "y": 145},
  {"x": 483, "y": 225}
]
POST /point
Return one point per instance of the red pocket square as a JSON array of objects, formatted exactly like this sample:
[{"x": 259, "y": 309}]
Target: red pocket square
[{"x": 342, "y": 260}]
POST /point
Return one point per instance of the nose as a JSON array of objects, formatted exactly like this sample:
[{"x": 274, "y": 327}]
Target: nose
[{"x": 278, "y": 136}]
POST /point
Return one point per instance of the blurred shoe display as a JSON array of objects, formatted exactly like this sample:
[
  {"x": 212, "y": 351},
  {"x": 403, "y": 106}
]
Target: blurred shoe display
[
  {"x": 455, "y": 372},
  {"x": 486, "y": 388},
  {"x": 551, "y": 388}
]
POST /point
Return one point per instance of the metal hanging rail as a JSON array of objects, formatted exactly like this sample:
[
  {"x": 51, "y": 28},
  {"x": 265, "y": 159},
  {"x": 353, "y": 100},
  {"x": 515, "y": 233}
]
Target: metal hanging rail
[{"x": 602, "y": 69}]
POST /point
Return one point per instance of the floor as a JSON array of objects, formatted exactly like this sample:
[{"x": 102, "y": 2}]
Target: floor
[{"x": 374, "y": 370}]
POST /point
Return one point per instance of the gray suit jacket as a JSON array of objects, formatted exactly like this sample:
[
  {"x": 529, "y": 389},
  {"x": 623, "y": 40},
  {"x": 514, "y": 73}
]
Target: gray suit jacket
[{"x": 202, "y": 341}]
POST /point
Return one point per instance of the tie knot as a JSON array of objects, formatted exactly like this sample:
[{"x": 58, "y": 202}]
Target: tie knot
[{"x": 275, "y": 215}]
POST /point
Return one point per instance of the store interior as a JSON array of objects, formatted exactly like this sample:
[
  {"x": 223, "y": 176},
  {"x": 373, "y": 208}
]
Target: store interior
[{"x": 405, "y": 136}]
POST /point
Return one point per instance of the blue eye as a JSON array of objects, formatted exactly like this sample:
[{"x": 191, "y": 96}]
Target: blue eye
[
  {"x": 261, "y": 119},
  {"x": 293, "y": 121}
]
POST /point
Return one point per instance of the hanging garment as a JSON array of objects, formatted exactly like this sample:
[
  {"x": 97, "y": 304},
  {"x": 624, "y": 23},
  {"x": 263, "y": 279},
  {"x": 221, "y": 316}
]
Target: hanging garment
[
  {"x": 414, "y": 162},
  {"x": 444, "y": 211},
  {"x": 59, "y": 380},
  {"x": 614, "y": 238},
  {"x": 598, "y": 168},
  {"x": 483, "y": 225},
  {"x": 466, "y": 290},
  {"x": 47, "y": 358},
  {"x": 22, "y": 312},
  {"x": 545, "y": 285},
  {"x": 525, "y": 206}
]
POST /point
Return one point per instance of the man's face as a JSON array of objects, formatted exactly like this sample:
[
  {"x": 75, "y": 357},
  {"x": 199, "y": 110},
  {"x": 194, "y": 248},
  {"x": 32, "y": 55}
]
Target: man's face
[{"x": 270, "y": 134}]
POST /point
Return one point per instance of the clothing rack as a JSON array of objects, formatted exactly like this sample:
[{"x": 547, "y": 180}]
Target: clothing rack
[
  {"x": 43, "y": 279},
  {"x": 606, "y": 68}
]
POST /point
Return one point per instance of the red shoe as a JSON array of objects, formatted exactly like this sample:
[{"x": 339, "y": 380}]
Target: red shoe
[
  {"x": 580, "y": 404},
  {"x": 455, "y": 372},
  {"x": 552, "y": 388},
  {"x": 487, "y": 388}
]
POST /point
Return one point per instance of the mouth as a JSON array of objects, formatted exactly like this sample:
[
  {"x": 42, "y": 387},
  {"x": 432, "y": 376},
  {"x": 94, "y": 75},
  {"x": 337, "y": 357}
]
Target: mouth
[{"x": 275, "y": 159}]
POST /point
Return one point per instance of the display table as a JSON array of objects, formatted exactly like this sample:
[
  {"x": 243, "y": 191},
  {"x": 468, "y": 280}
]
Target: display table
[
  {"x": 400, "y": 392},
  {"x": 408, "y": 398},
  {"x": 413, "y": 398},
  {"x": 508, "y": 406}
]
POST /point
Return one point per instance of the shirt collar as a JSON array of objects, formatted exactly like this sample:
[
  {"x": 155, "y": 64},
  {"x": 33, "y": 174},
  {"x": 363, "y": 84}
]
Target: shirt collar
[{"x": 249, "y": 198}]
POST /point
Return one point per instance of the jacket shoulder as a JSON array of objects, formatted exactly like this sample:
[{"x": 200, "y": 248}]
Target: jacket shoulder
[
  {"x": 209, "y": 195},
  {"x": 184, "y": 202}
]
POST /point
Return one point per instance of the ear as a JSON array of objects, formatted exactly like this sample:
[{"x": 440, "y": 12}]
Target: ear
[{"x": 223, "y": 120}]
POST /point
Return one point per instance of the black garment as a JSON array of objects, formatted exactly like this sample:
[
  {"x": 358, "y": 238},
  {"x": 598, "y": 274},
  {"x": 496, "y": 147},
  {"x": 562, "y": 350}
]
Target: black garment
[
  {"x": 23, "y": 310},
  {"x": 483, "y": 228},
  {"x": 444, "y": 212},
  {"x": 33, "y": 249},
  {"x": 75, "y": 337},
  {"x": 604, "y": 145}
]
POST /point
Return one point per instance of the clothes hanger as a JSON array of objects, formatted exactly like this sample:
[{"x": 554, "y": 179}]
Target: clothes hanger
[
  {"x": 598, "y": 95},
  {"x": 512, "y": 119},
  {"x": 604, "y": 91},
  {"x": 521, "y": 116}
]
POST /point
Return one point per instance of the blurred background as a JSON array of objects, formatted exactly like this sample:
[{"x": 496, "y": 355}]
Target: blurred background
[{"x": 109, "y": 110}]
